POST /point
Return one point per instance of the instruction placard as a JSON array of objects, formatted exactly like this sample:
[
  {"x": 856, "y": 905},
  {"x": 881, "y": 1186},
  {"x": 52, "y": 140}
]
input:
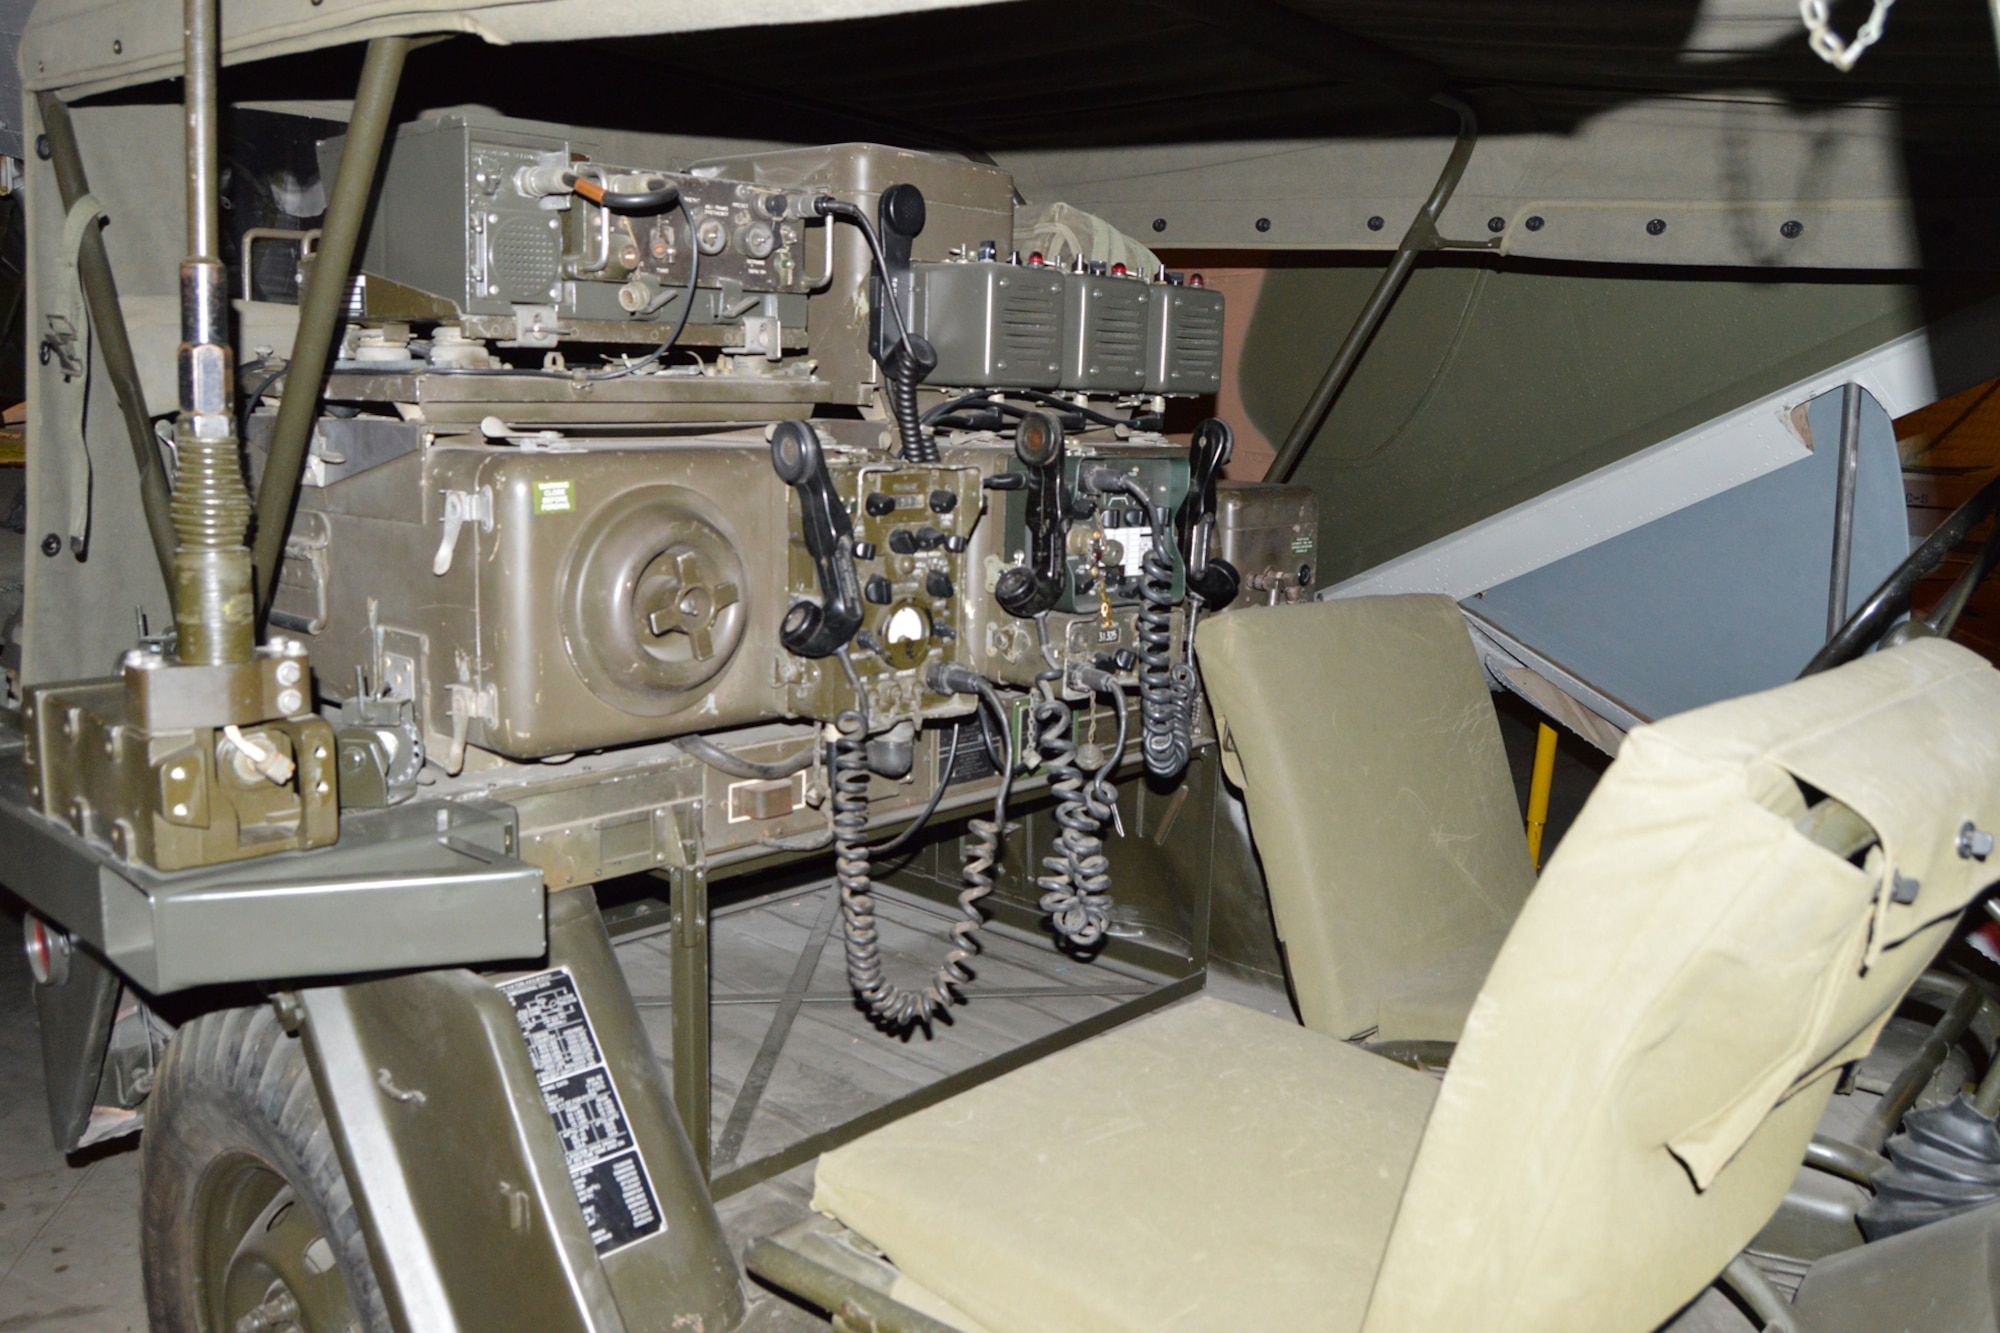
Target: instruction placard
[{"x": 605, "y": 1166}]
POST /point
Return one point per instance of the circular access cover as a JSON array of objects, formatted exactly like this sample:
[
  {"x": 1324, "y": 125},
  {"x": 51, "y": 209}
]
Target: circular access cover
[{"x": 653, "y": 601}]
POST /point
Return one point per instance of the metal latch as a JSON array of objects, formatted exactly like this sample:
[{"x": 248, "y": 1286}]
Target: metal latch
[{"x": 460, "y": 508}]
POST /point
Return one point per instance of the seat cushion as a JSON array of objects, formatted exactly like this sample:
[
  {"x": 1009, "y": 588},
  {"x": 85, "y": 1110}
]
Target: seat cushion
[
  {"x": 1381, "y": 803},
  {"x": 1207, "y": 1167}
]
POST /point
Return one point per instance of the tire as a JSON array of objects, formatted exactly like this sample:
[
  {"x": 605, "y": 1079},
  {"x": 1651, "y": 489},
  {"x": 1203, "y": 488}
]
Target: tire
[{"x": 246, "y": 1222}]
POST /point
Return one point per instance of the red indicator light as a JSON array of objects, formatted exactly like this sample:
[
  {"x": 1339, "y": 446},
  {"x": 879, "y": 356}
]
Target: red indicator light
[
  {"x": 1195, "y": 280},
  {"x": 1118, "y": 270},
  {"x": 1035, "y": 259}
]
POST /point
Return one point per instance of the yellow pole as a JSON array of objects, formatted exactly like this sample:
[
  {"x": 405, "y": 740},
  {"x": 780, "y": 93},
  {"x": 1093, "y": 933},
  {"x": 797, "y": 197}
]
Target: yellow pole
[{"x": 1538, "y": 790}]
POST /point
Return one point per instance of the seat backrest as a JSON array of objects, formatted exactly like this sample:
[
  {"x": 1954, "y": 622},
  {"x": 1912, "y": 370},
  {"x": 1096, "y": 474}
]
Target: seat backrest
[
  {"x": 1653, "y": 1049},
  {"x": 1371, "y": 763}
]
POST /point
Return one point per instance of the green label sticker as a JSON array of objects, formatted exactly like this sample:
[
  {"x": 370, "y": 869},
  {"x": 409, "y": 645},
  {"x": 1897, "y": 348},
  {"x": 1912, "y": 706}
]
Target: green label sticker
[{"x": 555, "y": 497}]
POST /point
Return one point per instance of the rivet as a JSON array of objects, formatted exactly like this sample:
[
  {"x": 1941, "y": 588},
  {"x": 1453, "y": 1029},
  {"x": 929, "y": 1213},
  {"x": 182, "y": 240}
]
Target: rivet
[
  {"x": 1159, "y": 224},
  {"x": 51, "y": 545},
  {"x": 1536, "y": 222},
  {"x": 1656, "y": 226},
  {"x": 1496, "y": 224},
  {"x": 1375, "y": 223},
  {"x": 181, "y": 810},
  {"x": 1791, "y": 229},
  {"x": 1263, "y": 224},
  {"x": 42, "y": 149},
  {"x": 117, "y": 47}
]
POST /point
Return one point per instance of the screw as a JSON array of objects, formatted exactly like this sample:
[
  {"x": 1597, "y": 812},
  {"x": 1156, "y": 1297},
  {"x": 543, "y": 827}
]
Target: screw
[
  {"x": 1536, "y": 222},
  {"x": 42, "y": 149},
  {"x": 1974, "y": 843},
  {"x": 1791, "y": 229},
  {"x": 1375, "y": 223},
  {"x": 1656, "y": 226},
  {"x": 117, "y": 47},
  {"x": 290, "y": 702},
  {"x": 51, "y": 545},
  {"x": 1159, "y": 224},
  {"x": 1263, "y": 224},
  {"x": 1496, "y": 224},
  {"x": 288, "y": 673}
]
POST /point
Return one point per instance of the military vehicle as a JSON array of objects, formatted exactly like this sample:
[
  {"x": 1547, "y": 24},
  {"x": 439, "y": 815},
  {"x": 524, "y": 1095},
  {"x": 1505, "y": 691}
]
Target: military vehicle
[{"x": 544, "y": 516}]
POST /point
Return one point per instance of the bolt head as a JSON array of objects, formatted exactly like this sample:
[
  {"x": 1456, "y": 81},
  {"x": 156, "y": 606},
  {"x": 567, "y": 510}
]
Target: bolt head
[
  {"x": 1656, "y": 227},
  {"x": 1263, "y": 224},
  {"x": 51, "y": 545},
  {"x": 1159, "y": 224},
  {"x": 1536, "y": 222},
  {"x": 1496, "y": 224},
  {"x": 1791, "y": 229},
  {"x": 1376, "y": 223},
  {"x": 290, "y": 702},
  {"x": 289, "y": 672}
]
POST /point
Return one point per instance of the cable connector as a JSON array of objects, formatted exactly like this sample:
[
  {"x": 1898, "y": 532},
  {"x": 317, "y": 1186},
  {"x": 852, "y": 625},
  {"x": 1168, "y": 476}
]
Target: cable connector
[{"x": 953, "y": 678}]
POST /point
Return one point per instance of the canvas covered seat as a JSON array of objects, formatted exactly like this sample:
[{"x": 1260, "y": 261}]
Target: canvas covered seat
[
  {"x": 1632, "y": 1095},
  {"x": 1365, "y": 741}
]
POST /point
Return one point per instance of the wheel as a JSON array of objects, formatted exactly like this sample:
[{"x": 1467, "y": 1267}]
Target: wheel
[{"x": 246, "y": 1221}]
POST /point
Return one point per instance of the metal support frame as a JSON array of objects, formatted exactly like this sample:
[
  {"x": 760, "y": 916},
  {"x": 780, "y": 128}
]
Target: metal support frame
[
  {"x": 107, "y": 318},
  {"x": 688, "y": 881},
  {"x": 1843, "y": 506},
  {"x": 691, "y": 1004},
  {"x": 321, "y": 304},
  {"x": 1421, "y": 236}
]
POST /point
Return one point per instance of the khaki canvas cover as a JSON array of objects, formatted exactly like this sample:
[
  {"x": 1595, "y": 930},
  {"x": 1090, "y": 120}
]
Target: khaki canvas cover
[
  {"x": 1380, "y": 800},
  {"x": 1637, "y": 1082}
]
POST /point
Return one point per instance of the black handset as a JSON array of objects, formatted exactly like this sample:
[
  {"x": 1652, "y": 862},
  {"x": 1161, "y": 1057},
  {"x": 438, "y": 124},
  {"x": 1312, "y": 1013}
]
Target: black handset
[
  {"x": 822, "y": 628},
  {"x": 1028, "y": 590},
  {"x": 1212, "y": 579}
]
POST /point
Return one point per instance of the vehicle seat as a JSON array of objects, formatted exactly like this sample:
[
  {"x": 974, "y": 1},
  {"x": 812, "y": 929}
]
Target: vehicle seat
[
  {"x": 1364, "y": 738},
  {"x": 1633, "y": 1092}
]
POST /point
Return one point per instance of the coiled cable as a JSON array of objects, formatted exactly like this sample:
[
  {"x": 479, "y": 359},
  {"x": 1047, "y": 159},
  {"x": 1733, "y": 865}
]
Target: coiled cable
[
  {"x": 1076, "y": 878},
  {"x": 902, "y": 373},
  {"x": 900, "y": 1007},
  {"x": 1166, "y": 687}
]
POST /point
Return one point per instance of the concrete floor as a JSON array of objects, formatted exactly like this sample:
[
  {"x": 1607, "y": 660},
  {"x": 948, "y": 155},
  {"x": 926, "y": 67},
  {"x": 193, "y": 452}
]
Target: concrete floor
[
  {"x": 69, "y": 1229},
  {"x": 69, "y": 1259}
]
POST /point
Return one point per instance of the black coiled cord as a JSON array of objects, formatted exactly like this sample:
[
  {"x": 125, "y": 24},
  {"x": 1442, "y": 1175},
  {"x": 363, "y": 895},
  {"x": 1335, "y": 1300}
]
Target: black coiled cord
[
  {"x": 898, "y": 1007},
  {"x": 902, "y": 374},
  {"x": 1166, "y": 687}
]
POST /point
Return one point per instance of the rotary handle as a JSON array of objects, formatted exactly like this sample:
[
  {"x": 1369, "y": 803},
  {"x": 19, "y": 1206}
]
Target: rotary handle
[
  {"x": 822, "y": 628},
  {"x": 1028, "y": 590},
  {"x": 1214, "y": 580}
]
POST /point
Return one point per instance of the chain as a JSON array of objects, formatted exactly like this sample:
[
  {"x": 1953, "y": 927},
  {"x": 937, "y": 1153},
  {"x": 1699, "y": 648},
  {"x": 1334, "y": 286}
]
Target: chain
[{"x": 1826, "y": 43}]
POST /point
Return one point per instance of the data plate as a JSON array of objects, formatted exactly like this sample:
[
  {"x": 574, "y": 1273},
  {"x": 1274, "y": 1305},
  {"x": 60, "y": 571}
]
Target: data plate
[{"x": 605, "y": 1166}]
